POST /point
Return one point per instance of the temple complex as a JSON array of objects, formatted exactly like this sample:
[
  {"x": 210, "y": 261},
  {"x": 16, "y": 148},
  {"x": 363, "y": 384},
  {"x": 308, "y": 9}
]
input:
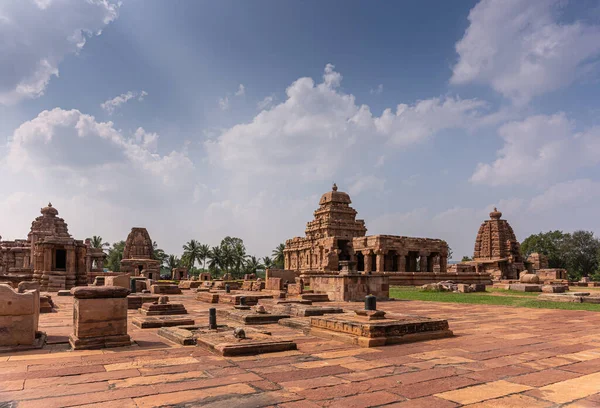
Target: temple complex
[
  {"x": 138, "y": 255},
  {"x": 336, "y": 235},
  {"x": 49, "y": 255},
  {"x": 497, "y": 250}
]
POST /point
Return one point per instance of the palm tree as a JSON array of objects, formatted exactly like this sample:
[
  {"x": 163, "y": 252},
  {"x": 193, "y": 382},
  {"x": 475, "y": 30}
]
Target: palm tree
[
  {"x": 216, "y": 259},
  {"x": 239, "y": 257},
  {"x": 252, "y": 264},
  {"x": 115, "y": 254},
  {"x": 277, "y": 255},
  {"x": 158, "y": 253},
  {"x": 191, "y": 253},
  {"x": 173, "y": 262},
  {"x": 96, "y": 242},
  {"x": 267, "y": 262},
  {"x": 203, "y": 253}
]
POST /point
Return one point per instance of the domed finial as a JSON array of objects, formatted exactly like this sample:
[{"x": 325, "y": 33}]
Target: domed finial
[
  {"x": 495, "y": 215},
  {"x": 49, "y": 204},
  {"x": 334, "y": 188}
]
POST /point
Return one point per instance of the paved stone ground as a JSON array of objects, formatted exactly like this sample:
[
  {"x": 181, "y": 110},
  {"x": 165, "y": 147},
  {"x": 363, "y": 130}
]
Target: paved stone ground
[{"x": 500, "y": 357}]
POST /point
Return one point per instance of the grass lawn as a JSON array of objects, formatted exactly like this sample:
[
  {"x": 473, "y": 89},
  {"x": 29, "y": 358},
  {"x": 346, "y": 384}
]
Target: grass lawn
[{"x": 492, "y": 297}]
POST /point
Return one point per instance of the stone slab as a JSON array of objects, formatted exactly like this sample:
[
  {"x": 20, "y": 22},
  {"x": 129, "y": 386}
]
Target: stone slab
[
  {"x": 207, "y": 297},
  {"x": 93, "y": 343},
  {"x": 152, "y": 309},
  {"x": 225, "y": 344},
  {"x": 152, "y": 322},
  {"x": 251, "y": 317},
  {"x": 187, "y": 335},
  {"x": 95, "y": 292},
  {"x": 64, "y": 293},
  {"x": 373, "y": 333},
  {"x": 525, "y": 287},
  {"x": 165, "y": 290}
]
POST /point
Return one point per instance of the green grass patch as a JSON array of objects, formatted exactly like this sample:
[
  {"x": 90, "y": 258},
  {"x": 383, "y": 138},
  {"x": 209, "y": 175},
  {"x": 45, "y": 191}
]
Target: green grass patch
[{"x": 523, "y": 299}]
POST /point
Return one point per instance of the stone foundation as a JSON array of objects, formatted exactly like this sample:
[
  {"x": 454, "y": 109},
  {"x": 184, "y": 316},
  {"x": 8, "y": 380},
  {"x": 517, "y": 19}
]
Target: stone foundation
[
  {"x": 423, "y": 278},
  {"x": 19, "y": 316},
  {"x": 351, "y": 288}
]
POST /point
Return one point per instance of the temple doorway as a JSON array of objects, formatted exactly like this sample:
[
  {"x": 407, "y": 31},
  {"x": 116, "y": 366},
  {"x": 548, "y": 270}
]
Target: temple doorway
[
  {"x": 61, "y": 259},
  {"x": 360, "y": 262}
]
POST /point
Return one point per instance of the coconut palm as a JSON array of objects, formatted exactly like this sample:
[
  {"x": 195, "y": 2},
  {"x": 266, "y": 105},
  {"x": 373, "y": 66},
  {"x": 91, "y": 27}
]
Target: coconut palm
[
  {"x": 115, "y": 254},
  {"x": 191, "y": 253},
  {"x": 96, "y": 242},
  {"x": 203, "y": 253},
  {"x": 252, "y": 264},
  {"x": 216, "y": 259},
  {"x": 267, "y": 262},
  {"x": 158, "y": 253},
  {"x": 277, "y": 255},
  {"x": 173, "y": 262}
]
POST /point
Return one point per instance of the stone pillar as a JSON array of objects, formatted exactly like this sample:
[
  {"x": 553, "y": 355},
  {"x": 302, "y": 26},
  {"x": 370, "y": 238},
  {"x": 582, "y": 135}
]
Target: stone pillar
[
  {"x": 99, "y": 317},
  {"x": 368, "y": 263},
  {"x": 423, "y": 261},
  {"x": 19, "y": 316},
  {"x": 380, "y": 261},
  {"x": 402, "y": 263},
  {"x": 443, "y": 263}
]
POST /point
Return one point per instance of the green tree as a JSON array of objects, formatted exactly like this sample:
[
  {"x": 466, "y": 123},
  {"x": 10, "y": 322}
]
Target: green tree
[
  {"x": 216, "y": 261},
  {"x": 551, "y": 244},
  {"x": 580, "y": 251},
  {"x": 191, "y": 253},
  {"x": 204, "y": 253},
  {"x": 96, "y": 242},
  {"x": 278, "y": 256},
  {"x": 172, "y": 262},
  {"x": 253, "y": 264},
  {"x": 449, "y": 252},
  {"x": 158, "y": 253},
  {"x": 466, "y": 258},
  {"x": 267, "y": 262},
  {"x": 115, "y": 254}
]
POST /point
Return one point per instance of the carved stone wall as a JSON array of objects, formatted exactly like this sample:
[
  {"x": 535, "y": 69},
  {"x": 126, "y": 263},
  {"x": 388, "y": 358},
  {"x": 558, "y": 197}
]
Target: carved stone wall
[{"x": 138, "y": 253}]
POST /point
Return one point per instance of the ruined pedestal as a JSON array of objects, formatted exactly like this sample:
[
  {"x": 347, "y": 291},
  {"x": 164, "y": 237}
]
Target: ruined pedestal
[
  {"x": 162, "y": 308},
  {"x": 119, "y": 280},
  {"x": 19, "y": 316},
  {"x": 351, "y": 287},
  {"x": 207, "y": 297},
  {"x": 253, "y": 316},
  {"x": 152, "y": 322},
  {"x": 165, "y": 290},
  {"x": 371, "y": 329},
  {"x": 99, "y": 317},
  {"x": 136, "y": 301}
]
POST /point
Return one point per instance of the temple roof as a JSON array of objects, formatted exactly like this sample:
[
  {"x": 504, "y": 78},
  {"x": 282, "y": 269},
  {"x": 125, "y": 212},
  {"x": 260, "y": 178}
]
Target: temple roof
[
  {"x": 496, "y": 239},
  {"x": 48, "y": 226},
  {"x": 335, "y": 196}
]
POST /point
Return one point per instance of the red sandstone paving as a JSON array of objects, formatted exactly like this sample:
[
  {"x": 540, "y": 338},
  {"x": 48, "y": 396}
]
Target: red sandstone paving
[{"x": 531, "y": 348}]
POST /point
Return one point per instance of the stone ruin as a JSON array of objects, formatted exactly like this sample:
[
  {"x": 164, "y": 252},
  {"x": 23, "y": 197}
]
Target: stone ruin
[
  {"x": 49, "y": 255},
  {"x": 19, "y": 318},
  {"x": 138, "y": 255},
  {"x": 179, "y": 274},
  {"x": 336, "y": 235}
]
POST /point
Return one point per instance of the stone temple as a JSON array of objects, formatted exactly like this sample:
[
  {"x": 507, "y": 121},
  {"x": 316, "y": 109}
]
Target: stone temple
[
  {"x": 497, "y": 250},
  {"x": 335, "y": 235},
  {"x": 138, "y": 255},
  {"x": 49, "y": 255}
]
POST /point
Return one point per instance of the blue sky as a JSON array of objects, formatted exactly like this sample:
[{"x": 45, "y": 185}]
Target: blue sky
[{"x": 203, "y": 119}]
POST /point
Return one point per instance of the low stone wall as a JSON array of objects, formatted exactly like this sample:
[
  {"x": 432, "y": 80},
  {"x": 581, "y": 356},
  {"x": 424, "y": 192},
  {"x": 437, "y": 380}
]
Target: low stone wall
[
  {"x": 92, "y": 275},
  {"x": 423, "y": 278},
  {"x": 351, "y": 288},
  {"x": 283, "y": 274},
  {"x": 19, "y": 316}
]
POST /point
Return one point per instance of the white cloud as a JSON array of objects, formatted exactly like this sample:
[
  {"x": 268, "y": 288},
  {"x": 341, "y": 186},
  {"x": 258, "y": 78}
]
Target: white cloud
[
  {"x": 376, "y": 91},
  {"x": 111, "y": 105},
  {"x": 522, "y": 50},
  {"x": 566, "y": 194},
  {"x": 36, "y": 37},
  {"x": 241, "y": 90},
  {"x": 266, "y": 103},
  {"x": 318, "y": 128},
  {"x": 224, "y": 103},
  {"x": 539, "y": 149},
  {"x": 360, "y": 184}
]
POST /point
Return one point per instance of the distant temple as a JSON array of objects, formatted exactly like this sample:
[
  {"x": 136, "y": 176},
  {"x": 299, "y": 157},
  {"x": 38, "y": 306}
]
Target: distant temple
[
  {"x": 336, "y": 235},
  {"x": 138, "y": 255},
  {"x": 49, "y": 255}
]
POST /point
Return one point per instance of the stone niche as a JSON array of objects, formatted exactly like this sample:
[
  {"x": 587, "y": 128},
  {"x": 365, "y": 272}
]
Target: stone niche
[
  {"x": 179, "y": 273},
  {"x": 351, "y": 288},
  {"x": 19, "y": 316},
  {"x": 99, "y": 317},
  {"x": 138, "y": 255}
]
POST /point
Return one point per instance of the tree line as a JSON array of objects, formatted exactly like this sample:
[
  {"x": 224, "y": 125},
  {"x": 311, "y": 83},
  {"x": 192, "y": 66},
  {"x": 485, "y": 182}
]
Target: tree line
[
  {"x": 229, "y": 256},
  {"x": 578, "y": 252}
]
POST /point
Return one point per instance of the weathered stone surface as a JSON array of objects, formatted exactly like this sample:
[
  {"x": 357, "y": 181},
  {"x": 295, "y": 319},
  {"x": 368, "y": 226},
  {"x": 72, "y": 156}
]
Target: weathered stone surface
[
  {"x": 19, "y": 316},
  {"x": 46, "y": 304},
  {"x": 179, "y": 273},
  {"x": 135, "y": 301},
  {"x": 189, "y": 284},
  {"x": 25, "y": 286},
  {"x": 225, "y": 344},
  {"x": 207, "y": 297},
  {"x": 538, "y": 261},
  {"x": 165, "y": 289},
  {"x": 64, "y": 293},
  {"x": 351, "y": 288},
  {"x": 554, "y": 288},
  {"x": 250, "y": 316},
  {"x": 99, "y": 317},
  {"x": 157, "y": 309},
  {"x": 102, "y": 292},
  {"x": 120, "y": 280},
  {"x": 526, "y": 277},
  {"x": 153, "y": 322},
  {"x": 525, "y": 287},
  {"x": 137, "y": 255},
  {"x": 365, "y": 332}
]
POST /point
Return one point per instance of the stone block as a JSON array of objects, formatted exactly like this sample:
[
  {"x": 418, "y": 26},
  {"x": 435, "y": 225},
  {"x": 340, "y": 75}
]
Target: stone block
[
  {"x": 554, "y": 288},
  {"x": 165, "y": 290},
  {"x": 523, "y": 287},
  {"x": 274, "y": 284},
  {"x": 189, "y": 284},
  {"x": 99, "y": 317},
  {"x": 477, "y": 287},
  {"x": 64, "y": 293},
  {"x": 28, "y": 285},
  {"x": 19, "y": 316},
  {"x": 464, "y": 288},
  {"x": 120, "y": 280}
]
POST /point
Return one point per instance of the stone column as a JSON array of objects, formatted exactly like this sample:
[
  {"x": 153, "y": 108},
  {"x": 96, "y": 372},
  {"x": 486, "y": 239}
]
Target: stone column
[
  {"x": 380, "y": 260},
  {"x": 368, "y": 263},
  {"x": 423, "y": 261},
  {"x": 443, "y": 263},
  {"x": 402, "y": 262},
  {"x": 99, "y": 317}
]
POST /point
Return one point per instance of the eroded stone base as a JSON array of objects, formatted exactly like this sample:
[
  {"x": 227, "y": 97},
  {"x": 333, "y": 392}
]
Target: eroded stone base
[
  {"x": 136, "y": 301},
  {"x": 152, "y": 322},
  {"x": 251, "y": 317},
  {"x": 91, "y": 343},
  {"x": 361, "y": 331},
  {"x": 227, "y": 345}
]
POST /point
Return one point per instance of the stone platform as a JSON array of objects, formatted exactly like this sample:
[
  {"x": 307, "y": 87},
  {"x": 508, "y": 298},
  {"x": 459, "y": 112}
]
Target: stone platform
[
  {"x": 251, "y": 316},
  {"x": 371, "y": 330},
  {"x": 152, "y": 322},
  {"x": 157, "y": 309},
  {"x": 573, "y": 297},
  {"x": 135, "y": 301}
]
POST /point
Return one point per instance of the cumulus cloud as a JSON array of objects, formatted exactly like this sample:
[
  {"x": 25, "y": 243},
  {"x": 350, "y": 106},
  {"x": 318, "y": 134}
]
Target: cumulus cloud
[
  {"x": 266, "y": 103},
  {"x": 539, "y": 149},
  {"x": 225, "y": 102},
  {"x": 111, "y": 105},
  {"x": 565, "y": 194},
  {"x": 36, "y": 37},
  {"x": 241, "y": 90},
  {"x": 317, "y": 128},
  {"x": 376, "y": 91},
  {"x": 522, "y": 50}
]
